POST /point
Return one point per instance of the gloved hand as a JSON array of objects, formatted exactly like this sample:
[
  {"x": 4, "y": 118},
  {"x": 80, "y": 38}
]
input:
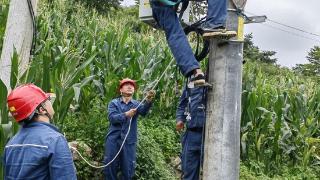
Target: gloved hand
[{"x": 150, "y": 95}]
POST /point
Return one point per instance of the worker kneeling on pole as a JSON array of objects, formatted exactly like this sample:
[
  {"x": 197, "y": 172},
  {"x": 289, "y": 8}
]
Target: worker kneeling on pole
[
  {"x": 123, "y": 114},
  {"x": 38, "y": 150},
  {"x": 191, "y": 111}
]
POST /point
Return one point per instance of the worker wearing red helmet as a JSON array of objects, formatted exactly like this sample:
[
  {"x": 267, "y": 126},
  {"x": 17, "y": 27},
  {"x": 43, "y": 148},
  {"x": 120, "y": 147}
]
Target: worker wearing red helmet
[
  {"x": 38, "y": 150},
  {"x": 120, "y": 111}
]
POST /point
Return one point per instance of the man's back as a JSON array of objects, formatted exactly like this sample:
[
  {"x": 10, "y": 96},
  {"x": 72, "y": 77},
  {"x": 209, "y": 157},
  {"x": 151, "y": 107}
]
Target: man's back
[{"x": 38, "y": 151}]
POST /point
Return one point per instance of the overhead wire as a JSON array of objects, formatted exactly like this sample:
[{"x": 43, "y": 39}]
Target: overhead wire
[
  {"x": 291, "y": 33},
  {"x": 288, "y": 26},
  {"x": 288, "y": 31}
]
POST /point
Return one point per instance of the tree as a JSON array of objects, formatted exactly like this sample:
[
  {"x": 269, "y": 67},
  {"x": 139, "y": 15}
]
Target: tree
[
  {"x": 314, "y": 56},
  {"x": 313, "y": 67},
  {"x": 253, "y": 53}
]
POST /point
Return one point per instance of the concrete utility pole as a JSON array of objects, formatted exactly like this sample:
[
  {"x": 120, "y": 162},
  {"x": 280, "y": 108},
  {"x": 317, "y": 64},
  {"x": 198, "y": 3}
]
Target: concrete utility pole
[
  {"x": 18, "y": 35},
  {"x": 222, "y": 136}
]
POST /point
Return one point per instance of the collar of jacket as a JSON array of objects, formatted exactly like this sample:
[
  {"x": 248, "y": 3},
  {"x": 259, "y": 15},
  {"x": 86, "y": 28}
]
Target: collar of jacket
[
  {"x": 121, "y": 100},
  {"x": 34, "y": 124}
]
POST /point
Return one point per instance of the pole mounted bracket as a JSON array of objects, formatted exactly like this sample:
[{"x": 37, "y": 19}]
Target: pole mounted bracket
[{"x": 255, "y": 19}]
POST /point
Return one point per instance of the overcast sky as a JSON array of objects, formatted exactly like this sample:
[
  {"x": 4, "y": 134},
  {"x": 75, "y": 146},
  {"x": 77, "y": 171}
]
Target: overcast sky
[{"x": 291, "y": 49}]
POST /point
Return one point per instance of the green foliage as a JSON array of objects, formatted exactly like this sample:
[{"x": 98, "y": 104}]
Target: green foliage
[
  {"x": 7, "y": 127},
  {"x": 151, "y": 151},
  {"x": 4, "y": 8},
  {"x": 102, "y": 6},
  {"x": 3, "y": 121},
  {"x": 162, "y": 131},
  {"x": 274, "y": 100},
  {"x": 279, "y": 115},
  {"x": 314, "y": 55},
  {"x": 91, "y": 129},
  {"x": 67, "y": 38},
  {"x": 311, "y": 69},
  {"x": 288, "y": 173},
  {"x": 157, "y": 142},
  {"x": 81, "y": 55},
  {"x": 253, "y": 53},
  {"x": 14, "y": 69}
]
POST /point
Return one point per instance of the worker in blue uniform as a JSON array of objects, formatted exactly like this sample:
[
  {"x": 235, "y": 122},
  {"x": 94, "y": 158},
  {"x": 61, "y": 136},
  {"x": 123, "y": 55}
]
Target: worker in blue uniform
[
  {"x": 167, "y": 20},
  {"x": 38, "y": 150},
  {"x": 191, "y": 112},
  {"x": 120, "y": 111}
]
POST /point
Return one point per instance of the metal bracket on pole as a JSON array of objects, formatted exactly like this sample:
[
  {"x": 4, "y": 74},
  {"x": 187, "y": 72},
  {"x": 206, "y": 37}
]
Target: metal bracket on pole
[{"x": 255, "y": 19}]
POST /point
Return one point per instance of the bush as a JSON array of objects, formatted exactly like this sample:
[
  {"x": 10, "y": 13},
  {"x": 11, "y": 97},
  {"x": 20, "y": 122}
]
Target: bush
[
  {"x": 91, "y": 129},
  {"x": 151, "y": 161}
]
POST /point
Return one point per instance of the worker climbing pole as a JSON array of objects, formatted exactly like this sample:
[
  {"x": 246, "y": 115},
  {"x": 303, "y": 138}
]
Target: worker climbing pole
[{"x": 225, "y": 82}]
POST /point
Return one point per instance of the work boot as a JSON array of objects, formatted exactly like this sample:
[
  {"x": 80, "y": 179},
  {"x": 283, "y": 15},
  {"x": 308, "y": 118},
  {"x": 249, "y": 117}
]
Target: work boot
[
  {"x": 219, "y": 32},
  {"x": 206, "y": 28}
]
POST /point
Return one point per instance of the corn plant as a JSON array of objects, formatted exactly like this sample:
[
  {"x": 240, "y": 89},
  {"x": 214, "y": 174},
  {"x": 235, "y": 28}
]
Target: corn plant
[
  {"x": 279, "y": 115},
  {"x": 4, "y": 8},
  {"x": 7, "y": 127}
]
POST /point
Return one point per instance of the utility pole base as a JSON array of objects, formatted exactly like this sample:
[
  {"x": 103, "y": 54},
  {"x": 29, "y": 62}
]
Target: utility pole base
[{"x": 220, "y": 35}]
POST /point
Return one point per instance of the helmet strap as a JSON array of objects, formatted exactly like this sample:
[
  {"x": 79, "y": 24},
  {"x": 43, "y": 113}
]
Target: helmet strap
[{"x": 46, "y": 114}]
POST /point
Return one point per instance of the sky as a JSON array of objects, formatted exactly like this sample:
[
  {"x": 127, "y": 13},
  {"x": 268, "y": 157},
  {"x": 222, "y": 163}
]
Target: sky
[{"x": 292, "y": 46}]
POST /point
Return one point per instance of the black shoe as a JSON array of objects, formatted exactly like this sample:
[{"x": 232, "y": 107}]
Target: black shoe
[{"x": 207, "y": 28}]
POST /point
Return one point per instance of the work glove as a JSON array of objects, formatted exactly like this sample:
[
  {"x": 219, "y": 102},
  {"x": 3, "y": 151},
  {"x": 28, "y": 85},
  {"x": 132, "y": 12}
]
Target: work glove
[{"x": 150, "y": 95}]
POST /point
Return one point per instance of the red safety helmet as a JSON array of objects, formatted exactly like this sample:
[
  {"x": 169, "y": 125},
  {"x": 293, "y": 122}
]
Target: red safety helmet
[
  {"x": 23, "y": 101},
  {"x": 127, "y": 80}
]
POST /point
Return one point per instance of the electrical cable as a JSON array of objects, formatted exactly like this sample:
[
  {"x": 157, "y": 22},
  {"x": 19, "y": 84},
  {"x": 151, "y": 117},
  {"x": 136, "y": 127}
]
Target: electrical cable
[
  {"x": 292, "y": 33},
  {"x": 34, "y": 28},
  {"x": 288, "y": 26}
]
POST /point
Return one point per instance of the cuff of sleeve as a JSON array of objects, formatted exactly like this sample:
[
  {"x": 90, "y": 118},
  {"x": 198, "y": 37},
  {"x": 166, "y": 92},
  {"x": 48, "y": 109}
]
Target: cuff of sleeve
[{"x": 181, "y": 118}]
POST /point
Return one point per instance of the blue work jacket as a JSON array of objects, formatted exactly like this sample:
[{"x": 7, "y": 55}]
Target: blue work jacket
[
  {"x": 193, "y": 101},
  {"x": 119, "y": 123},
  {"x": 38, "y": 151}
]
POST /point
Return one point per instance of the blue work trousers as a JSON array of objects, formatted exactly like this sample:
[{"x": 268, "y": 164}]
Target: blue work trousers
[
  {"x": 217, "y": 13},
  {"x": 125, "y": 162},
  {"x": 192, "y": 155},
  {"x": 179, "y": 45}
]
